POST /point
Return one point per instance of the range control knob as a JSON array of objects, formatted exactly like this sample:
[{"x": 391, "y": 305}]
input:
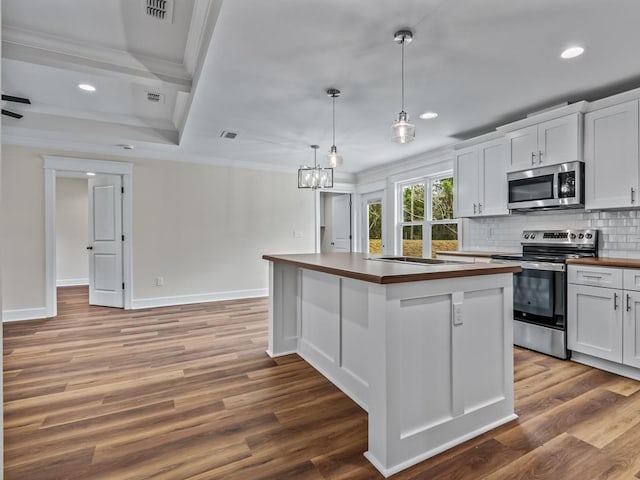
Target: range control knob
[
  {"x": 526, "y": 235},
  {"x": 533, "y": 236},
  {"x": 573, "y": 235},
  {"x": 581, "y": 236},
  {"x": 589, "y": 236}
]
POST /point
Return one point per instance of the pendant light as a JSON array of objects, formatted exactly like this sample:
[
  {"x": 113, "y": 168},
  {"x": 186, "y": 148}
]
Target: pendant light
[
  {"x": 316, "y": 177},
  {"x": 333, "y": 158},
  {"x": 402, "y": 131}
]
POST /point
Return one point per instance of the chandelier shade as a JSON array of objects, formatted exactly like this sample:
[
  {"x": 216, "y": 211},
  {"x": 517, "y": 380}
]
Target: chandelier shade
[{"x": 315, "y": 177}]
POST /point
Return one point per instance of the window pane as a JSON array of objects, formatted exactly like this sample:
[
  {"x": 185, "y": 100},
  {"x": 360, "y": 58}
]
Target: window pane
[
  {"x": 413, "y": 203},
  {"x": 442, "y": 199},
  {"x": 444, "y": 237},
  {"x": 375, "y": 227},
  {"x": 412, "y": 241}
]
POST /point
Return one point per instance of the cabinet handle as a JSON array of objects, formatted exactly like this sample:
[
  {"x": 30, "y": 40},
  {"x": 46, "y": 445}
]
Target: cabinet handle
[
  {"x": 628, "y": 302},
  {"x": 533, "y": 158},
  {"x": 479, "y": 208},
  {"x": 591, "y": 276},
  {"x": 615, "y": 301},
  {"x": 633, "y": 195},
  {"x": 474, "y": 208},
  {"x": 539, "y": 156}
]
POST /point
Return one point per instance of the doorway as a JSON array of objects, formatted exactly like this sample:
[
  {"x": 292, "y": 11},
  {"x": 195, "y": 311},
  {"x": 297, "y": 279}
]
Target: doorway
[
  {"x": 335, "y": 222},
  {"x": 109, "y": 232},
  {"x": 373, "y": 215}
]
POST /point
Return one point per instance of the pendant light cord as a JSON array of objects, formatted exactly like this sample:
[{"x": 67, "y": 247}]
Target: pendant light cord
[
  {"x": 402, "y": 74},
  {"x": 334, "y": 120}
]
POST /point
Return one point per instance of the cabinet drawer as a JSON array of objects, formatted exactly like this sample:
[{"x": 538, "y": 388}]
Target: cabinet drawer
[
  {"x": 631, "y": 279},
  {"x": 597, "y": 276}
]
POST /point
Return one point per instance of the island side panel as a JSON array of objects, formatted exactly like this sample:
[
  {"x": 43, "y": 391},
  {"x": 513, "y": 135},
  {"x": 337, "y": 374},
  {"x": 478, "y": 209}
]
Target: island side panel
[
  {"x": 284, "y": 305},
  {"x": 426, "y": 363},
  {"x": 334, "y": 330}
]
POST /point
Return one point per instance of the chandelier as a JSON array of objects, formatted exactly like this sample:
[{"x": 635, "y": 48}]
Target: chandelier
[{"x": 315, "y": 177}]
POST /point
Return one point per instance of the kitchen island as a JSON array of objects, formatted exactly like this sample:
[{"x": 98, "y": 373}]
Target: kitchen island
[{"x": 425, "y": 349}]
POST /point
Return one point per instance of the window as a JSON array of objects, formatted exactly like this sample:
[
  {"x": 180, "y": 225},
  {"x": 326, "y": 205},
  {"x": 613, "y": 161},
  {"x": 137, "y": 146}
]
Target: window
[{"x": 426, "y": 217}]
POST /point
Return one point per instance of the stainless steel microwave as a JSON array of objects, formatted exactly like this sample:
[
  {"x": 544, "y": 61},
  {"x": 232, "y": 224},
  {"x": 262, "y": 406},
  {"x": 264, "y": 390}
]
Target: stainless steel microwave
[{"x": 555, "y": 186}]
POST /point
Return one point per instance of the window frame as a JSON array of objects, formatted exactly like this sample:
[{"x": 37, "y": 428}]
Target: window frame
[{"x": 428, "y": 221}]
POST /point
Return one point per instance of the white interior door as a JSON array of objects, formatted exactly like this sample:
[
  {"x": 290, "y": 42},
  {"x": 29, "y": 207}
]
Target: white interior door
[
  {"x": 341, "y": 223},
  {"x": 105, "y": 241}
]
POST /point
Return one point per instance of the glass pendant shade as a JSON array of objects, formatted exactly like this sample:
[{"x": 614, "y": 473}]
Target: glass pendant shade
[
  {"x": 333, "y": 158},
  {"x": 402, "y": 131}
]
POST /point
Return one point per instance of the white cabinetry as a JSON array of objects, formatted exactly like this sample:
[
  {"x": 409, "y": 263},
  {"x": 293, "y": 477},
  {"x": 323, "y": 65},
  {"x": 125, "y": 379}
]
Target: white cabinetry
[
  {"x": 480, "y": 180},
  {"x": 603, "y": 309},
  {"x": 546, "y": 143},
  {"x": 611, "y": 157}
]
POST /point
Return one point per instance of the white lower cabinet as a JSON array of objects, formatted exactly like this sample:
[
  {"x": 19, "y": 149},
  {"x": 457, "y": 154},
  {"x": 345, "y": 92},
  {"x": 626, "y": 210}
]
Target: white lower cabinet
[
  {"x": 603, "y": 322},
  {"x": 595, "y": 321}
]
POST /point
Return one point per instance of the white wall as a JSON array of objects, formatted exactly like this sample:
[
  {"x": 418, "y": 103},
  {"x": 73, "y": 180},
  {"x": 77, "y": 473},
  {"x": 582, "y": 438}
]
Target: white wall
[
  {"x": 72, "y": 223},
  {"x": 203, "y": 228}
]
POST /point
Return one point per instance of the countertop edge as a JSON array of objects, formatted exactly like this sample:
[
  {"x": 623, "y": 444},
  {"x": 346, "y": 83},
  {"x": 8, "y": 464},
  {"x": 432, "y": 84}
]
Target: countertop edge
[
  {"x": 477, "y": 269},
  {"x": 606, "y": 262}
]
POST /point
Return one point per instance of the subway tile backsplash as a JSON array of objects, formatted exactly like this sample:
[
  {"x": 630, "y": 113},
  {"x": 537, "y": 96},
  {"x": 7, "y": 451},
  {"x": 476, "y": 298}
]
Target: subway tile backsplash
[{"x": 619, "y": 230}]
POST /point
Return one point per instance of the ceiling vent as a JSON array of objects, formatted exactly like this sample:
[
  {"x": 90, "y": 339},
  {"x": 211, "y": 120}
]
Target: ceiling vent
[
  {"x": 159, "y": 9},
  {"x": 229, "y": 135},
  {"x": 155, "y": 97}
]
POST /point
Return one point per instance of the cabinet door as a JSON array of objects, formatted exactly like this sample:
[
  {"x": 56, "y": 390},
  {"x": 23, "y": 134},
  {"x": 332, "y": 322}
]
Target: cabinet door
[
  {"x": 611, "y": 156},
  {"x": 522, "y": 148},
  {"x": 466, "y": 183},
  {"x": 559, "y": 140},
  {"x": 492, "y": 198},
  {"x": 594, "y": 321},
  {"x": 631, "y": 329}
]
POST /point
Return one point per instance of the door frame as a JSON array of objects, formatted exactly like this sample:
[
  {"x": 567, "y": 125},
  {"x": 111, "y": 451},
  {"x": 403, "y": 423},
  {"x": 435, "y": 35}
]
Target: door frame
[
  {"x": 64, "y": 167},
  {"x": 337, "y": 188}
]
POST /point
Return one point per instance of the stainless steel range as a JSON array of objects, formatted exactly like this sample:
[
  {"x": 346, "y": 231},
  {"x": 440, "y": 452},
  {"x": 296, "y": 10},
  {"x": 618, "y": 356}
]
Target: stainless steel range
[{"x": 540, "y": 290}]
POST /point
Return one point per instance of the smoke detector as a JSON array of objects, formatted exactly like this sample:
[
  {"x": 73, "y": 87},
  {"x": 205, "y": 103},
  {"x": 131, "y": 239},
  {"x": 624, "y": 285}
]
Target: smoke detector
[
  {"x": 229, "y": 135},
  {"x": 159, "y": 9}
]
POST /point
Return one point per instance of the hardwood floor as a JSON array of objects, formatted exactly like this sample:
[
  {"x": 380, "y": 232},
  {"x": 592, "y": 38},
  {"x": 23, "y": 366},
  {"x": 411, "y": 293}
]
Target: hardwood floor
[{"x": 187, "y": 392}]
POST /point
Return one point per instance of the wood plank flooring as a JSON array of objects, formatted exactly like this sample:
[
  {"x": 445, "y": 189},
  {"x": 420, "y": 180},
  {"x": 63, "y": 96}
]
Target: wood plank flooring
[{"x": 188, "y": 392}]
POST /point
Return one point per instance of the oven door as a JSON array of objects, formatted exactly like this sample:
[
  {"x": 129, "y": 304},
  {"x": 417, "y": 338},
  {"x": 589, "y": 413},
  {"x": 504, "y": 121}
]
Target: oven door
[{"x": 539, "y": 294}]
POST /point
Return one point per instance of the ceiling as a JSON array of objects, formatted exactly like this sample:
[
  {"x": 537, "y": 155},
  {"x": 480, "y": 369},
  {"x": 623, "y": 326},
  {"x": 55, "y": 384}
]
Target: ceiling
[{"x": 261, "y": 69}]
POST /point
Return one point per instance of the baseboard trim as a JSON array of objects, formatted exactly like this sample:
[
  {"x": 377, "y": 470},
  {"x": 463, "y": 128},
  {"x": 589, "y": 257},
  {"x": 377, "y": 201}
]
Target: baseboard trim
[
  {"x": 72, "y": 282},
  {"x": 198, "y": 298},
  {"x": 24, "y": 314}
]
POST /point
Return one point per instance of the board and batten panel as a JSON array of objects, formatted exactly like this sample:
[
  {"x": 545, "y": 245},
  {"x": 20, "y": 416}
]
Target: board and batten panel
[
  {"x": 355, "y": 330},
  {"x": 425, "y": 335},
  {"x": 481, "y": 346},
  {"x": 320, "y": 313}
]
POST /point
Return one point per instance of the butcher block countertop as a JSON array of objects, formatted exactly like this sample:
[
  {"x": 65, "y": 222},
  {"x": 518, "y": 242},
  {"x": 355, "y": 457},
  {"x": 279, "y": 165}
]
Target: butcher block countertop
[
  {"x": 606, "y": 262},
  {"x": 365, "y": 267}
]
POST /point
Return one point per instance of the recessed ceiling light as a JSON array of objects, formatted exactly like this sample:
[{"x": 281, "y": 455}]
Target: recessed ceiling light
[
  {"x": 86, "y": 87},
  {"x": 572, "y": 52},
  {"x": 91, "y": 174},
  {"x": 428, "y": 115}
]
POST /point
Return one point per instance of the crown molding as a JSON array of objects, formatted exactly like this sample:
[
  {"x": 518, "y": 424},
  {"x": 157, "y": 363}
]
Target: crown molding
[{"x": 55, "y": 51}]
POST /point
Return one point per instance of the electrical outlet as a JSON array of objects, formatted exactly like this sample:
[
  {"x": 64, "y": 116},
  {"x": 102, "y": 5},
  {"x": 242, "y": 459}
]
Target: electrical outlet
[
  {"x": 297, "y": 234},
  {"x": 159, "y": 281},
  {"x": 457, "y": 314}
]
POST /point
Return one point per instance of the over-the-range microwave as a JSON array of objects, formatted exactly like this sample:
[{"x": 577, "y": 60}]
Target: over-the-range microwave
[{"x": 555, "y": 186}]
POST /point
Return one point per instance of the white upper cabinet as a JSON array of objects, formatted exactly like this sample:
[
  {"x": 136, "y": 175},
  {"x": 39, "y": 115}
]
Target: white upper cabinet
[
  {"x": 611, "y": 157},
  {"x": 480, "y": 180},
  {"x": 550, "y": 142}
]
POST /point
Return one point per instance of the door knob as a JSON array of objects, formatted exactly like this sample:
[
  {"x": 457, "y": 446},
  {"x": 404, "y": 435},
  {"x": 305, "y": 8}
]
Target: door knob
[{"x": 89, "y": 247}]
